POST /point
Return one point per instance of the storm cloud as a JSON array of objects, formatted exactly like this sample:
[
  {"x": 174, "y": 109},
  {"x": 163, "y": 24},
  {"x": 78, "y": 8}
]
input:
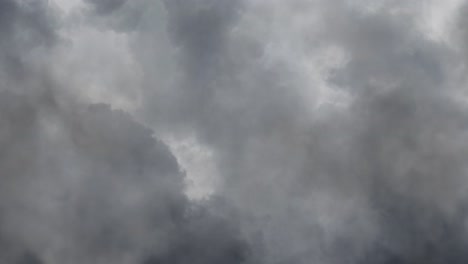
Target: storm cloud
[{"x": 317, "y": 131}]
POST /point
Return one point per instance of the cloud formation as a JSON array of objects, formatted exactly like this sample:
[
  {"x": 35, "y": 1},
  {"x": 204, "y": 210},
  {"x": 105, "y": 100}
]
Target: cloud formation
[{"x": 337, "y": 131}]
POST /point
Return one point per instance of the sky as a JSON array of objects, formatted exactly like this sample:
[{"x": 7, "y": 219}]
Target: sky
[{"x": 233, "y": 131}]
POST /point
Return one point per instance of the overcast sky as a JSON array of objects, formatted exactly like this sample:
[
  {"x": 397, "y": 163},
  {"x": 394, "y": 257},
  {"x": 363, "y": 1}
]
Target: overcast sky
[{"x": 233, "y": 131}]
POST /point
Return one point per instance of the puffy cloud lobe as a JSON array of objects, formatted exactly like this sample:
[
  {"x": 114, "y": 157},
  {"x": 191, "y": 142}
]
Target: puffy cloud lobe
[
  {"x": 92, "y": 185},
  {"x": 76, "y": 179}
]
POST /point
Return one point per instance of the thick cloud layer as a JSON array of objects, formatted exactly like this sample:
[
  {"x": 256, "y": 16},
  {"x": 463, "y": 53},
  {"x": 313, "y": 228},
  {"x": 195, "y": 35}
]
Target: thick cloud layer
[
  {"x": 337, "y": 130},
  {"x": 83, "y": 183},
  {"x": 340, "y": 127}
]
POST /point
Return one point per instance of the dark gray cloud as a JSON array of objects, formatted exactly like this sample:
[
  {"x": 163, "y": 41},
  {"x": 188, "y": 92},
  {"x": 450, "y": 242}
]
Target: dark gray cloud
[
  {"x": 201, "y": 30},
  {"x": 26, "y": 29},
  {"x": 100, "y": 184},
  {"x": 205, "y": 238},
  {"x": 327, "y": 186},
  {"x": 338, "y": 129},
  {"x": 104, "y": 7},
  {"x": 83, "y": 183}
]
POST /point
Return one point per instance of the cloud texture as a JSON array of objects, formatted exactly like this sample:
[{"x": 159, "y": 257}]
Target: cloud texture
[{"x": 336, "y": 130}]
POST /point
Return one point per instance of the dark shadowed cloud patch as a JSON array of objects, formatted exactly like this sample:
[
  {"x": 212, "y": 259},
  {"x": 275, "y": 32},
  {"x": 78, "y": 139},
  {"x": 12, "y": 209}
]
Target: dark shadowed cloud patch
[
  {"x": 105, "y": 7},
  {"x": 97, "y": 181}
]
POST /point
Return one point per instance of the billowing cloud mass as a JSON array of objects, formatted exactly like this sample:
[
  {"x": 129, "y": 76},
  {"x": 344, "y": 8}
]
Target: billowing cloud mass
[{"x": 233, "y": 131}]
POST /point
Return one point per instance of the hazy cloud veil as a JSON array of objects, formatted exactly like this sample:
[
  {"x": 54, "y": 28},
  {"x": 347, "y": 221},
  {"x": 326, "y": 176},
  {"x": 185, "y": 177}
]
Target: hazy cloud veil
[{"x": 233, "y": 131}]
